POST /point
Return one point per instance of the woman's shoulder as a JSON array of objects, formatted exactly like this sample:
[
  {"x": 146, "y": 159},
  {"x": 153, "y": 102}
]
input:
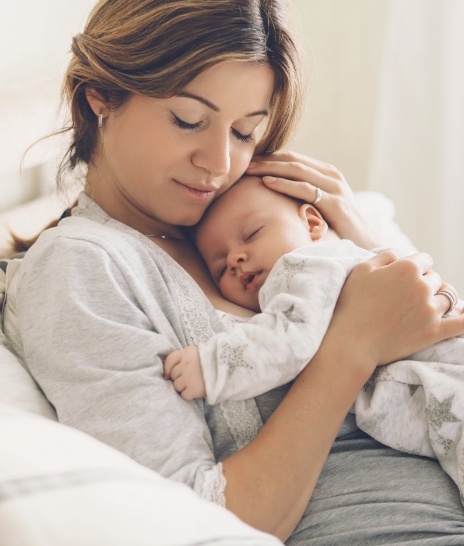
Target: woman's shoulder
[
  {"x": 77, "y": 238},
  {"x": 89, "y": 230},
  {"x": 81, "y": 250}
]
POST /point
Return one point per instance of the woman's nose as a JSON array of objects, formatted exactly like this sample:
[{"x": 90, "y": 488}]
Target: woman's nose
[{"x": 213, "y": 155}]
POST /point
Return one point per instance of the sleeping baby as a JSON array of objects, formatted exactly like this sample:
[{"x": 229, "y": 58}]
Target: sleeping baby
[{"x": 278, "y": 257}]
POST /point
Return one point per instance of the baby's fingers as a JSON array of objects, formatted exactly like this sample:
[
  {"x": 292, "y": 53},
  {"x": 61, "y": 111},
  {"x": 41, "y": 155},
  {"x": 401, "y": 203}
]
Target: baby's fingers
[
  {"x": 180, "y": 385},
  {"x": 170, "y": 362}
]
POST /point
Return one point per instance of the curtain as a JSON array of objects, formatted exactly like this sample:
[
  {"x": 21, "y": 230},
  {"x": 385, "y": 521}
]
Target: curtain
[{"x": 418, "y": 144}]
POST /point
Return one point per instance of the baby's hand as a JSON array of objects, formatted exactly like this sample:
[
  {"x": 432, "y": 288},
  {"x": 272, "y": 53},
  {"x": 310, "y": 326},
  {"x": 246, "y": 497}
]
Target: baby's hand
[{"x": 183, "y": 368}]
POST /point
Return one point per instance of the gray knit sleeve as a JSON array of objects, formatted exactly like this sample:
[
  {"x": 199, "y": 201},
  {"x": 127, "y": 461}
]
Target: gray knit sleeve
[{"x": 95, "y": 327}]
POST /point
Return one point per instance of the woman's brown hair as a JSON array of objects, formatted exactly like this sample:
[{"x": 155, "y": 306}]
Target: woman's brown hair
[{"x": 156, "y": 47}]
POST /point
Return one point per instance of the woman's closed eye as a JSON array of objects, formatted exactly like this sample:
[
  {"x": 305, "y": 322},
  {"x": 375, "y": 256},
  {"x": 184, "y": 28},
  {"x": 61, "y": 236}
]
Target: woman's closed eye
[
  {"x": 199, "y": 124},
  {"x": 184, "y": 125},
  {"x": 241, "y": 136}
]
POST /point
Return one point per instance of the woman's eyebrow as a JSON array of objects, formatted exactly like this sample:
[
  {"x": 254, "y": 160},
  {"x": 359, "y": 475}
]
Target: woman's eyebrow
[{"x": 215, "y": 108}]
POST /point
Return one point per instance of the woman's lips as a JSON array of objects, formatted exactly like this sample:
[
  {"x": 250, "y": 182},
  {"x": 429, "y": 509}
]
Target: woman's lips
[{"x": 198, "y": 194}]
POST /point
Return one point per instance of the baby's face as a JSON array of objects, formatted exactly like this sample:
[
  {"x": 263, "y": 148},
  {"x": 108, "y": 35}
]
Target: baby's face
[{"x": 244, "y": 233}]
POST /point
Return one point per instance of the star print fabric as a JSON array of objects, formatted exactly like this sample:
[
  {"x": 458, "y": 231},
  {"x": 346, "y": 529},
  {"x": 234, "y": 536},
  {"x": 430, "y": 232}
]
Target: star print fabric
[{"x": 415, "y": 406}]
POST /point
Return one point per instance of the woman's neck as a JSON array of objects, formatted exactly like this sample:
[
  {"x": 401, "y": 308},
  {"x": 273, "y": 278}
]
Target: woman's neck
[{"x": 117, "y": 205}]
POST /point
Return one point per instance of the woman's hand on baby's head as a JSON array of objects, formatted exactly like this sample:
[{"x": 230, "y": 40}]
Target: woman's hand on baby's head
[
  {"x": 183, "y": 368},
  {"x": 301, "y": 177}
]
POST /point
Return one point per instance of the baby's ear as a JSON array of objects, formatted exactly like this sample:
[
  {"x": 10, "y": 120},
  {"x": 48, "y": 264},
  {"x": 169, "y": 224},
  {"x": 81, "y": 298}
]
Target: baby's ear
[{"x": 313, "y": 219}]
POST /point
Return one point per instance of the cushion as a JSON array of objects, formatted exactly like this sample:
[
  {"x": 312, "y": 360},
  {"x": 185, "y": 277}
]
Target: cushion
[
  {"x": 59, "y": 486},
  {"x": 18, "y": 388}
]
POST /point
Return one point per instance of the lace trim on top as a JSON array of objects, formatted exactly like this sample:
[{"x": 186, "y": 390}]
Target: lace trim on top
[
  {"x": 2, "y": 291},
  {"x": 242, "y": 421},
  {"x": 241, "y": 410},
  {"x": 214, "y": 486},
  {"x": 242, "y": 417}
]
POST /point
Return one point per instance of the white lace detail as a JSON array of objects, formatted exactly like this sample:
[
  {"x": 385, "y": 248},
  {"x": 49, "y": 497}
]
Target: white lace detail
[
  {"x": 192, "y": 302},
  {"x": 193, "y": 306},
  {"x": 229, "y": 319},
  {"x": 2, "y": 290},
  {"x": 242, "y": 417},
  {"x": 214, "y": 486}
]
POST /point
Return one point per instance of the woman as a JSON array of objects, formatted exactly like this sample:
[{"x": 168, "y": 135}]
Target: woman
[{"x": 168, "y": 99}]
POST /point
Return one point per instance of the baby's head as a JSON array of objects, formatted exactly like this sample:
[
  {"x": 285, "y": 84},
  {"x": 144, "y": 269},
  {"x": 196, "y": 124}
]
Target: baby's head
[{"x": 246, "y": 230}]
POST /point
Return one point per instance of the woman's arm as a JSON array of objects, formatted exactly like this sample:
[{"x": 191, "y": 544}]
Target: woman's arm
[
  {"x": 386, "y": 310},
  {"x": 285, "y": 171}
]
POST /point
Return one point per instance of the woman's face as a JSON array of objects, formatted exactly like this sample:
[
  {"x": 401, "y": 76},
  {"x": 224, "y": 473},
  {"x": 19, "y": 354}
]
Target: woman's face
[{"x": 163, "y": 161}]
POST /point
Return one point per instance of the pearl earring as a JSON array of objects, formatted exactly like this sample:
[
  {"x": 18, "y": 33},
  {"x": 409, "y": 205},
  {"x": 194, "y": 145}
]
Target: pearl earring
[{"x": 100, "y": 120}]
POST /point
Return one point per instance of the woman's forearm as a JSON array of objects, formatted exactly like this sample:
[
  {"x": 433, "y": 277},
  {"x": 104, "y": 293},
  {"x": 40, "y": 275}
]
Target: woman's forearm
[
  {"x": 271, "y": 480},
  {"x": 387, "y": 309}
]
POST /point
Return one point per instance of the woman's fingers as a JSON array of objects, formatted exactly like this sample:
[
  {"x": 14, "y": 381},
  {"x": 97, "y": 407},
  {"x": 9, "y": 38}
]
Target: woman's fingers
[
  {"x": 423, "y": 261},
  {"x": 393, "y": 305},
  {"x": 318, "y": 183},
  {"x": 304, "y": 192},
  {"x": 296, "y": 172},
  {"x": 286, "y": 156},
  {"x": 445, "y": 295},
  {"x": 452, "y": 326},
  {"x": 385, "y": 257},
  {"x": 449, "y": 297}
]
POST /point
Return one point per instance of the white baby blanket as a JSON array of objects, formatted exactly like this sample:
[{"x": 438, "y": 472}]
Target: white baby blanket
[{"x": 416, "y": 405}]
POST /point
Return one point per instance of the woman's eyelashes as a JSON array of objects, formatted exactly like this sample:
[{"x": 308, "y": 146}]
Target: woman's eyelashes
[
  {"x": 187, "y": 126},
  {"x": 196, "y": 126},
  {"x": 242, "y": 137}
]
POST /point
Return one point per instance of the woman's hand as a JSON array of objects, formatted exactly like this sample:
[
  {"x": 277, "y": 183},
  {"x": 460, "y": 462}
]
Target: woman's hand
[
  {"x": 390, "y": 308},
  {"x": 300, "y": 176}
]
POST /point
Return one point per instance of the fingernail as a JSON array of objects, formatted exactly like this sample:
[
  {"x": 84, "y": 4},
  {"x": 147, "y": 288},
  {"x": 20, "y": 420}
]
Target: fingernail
[
  {"x": 269, "y": 179},
  {"x": 252, "y": 164}
]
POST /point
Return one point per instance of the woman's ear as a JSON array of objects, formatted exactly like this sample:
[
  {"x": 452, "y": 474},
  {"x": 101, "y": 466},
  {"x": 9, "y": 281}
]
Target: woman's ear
[
  {"x": 313, "y": 219},
  {"x": 96, "y": 102}
]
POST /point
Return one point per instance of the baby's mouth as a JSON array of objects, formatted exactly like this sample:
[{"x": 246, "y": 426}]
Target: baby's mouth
[{"x": 250, "y": 280}]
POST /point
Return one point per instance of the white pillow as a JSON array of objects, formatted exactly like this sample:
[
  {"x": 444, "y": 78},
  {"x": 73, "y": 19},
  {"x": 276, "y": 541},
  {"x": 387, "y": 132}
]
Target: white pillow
[
  {"x": 18, "y": 388},
  {"x": 60, "y": 487},
  {"x": 380, "y": 212}
]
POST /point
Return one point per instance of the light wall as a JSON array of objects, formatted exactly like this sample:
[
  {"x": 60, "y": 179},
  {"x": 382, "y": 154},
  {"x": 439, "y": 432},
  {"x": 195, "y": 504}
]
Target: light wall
[
  {"x": 342, "y": 40},
  {"x": 35, "y": 40},
  {"x": 343, "y": 45}
]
